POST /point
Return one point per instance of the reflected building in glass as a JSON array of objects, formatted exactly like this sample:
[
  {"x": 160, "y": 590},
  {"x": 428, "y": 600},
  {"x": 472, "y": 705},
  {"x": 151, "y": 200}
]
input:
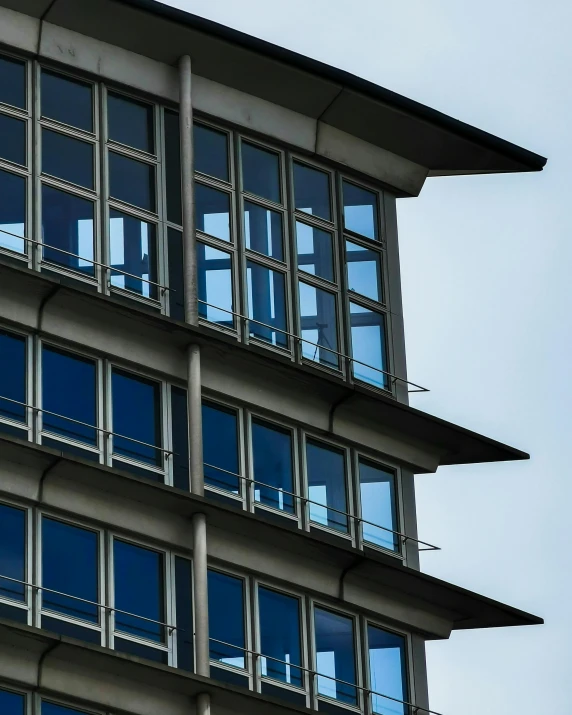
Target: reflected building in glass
[{"x": 208, "y": 453}]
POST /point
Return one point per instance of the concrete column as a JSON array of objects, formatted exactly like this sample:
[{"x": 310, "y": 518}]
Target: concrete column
[{"x": 201, "y": 595}]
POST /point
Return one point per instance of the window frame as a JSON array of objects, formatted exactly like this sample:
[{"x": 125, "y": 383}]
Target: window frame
[
  {"x": 29, "y": 425},
  {"x": 29, "y": 602}
]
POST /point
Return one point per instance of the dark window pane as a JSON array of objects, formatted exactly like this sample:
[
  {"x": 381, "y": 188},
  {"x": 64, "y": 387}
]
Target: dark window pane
[
  {"x": 133, "y": 250},
  {"x": 335, "y": 657},
  {"x": 220, "y": 447},
  {"x": 141, "y": 651},
  {"x": 67, "y": 158},
  {"x": 132, "y": 181},
  {"x": 130, "y": 122},
  {"x": 261, "y": 172},
  {"x": 176, "y": 277},
  {"x": 12, "y": 376},
  {"x": 312, "y": 191},
  {"x": 67, "y": 101},
  {"x": 226, "y": 619},
  {"x": 319, "y": 325},
  {"x": 387, "y": 670},
  {"x": 70, "y": 565},
  {"x": 273, "y": 469},
  {"x": 53, "y": 709},
  {"x": 68, "y": 225},
  {"x": 12, "y": 139},
  {"x": 69, "y": 388},
  {"x": 280, "y": 642},
  {"x": 12, "y": 703},
  {"x": 173, "y": 167},
  {"x": 263, "y": 230},
  {"x": 360, "y": 211},
  {"x": 327, "y": 485},
  {"x": 12, "y": 552},
  {"x": 315, "y": 251},
  {"x": 12, "y": 82},
  {"x": 184, "y": 601},
  {"x": 180, "y": 422},
  {"x": 364, "y": 271},
  {"x": 213, "y": 211},
  {"x": 12, "y": 211},
  {"x": 267, "y": 304},
  {"x": 378, "y": 505},
  {"x": 368, "y": 345},
  {"x": 139, "y": 590},
  {"x": 71, "y": 630},
  {"x": 136, "y": 417},
  {"x": 215, "y": 285},
  {"x": 211, "y": 152}
]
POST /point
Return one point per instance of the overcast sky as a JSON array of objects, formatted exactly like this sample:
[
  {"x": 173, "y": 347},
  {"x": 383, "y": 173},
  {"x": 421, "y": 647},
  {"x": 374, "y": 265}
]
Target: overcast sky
[{"x": 486, "y": 265}]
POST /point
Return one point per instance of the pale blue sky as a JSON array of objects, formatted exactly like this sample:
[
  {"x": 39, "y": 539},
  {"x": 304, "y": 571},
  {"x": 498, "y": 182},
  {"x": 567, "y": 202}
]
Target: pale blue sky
[{"x": 487, "y": 297}]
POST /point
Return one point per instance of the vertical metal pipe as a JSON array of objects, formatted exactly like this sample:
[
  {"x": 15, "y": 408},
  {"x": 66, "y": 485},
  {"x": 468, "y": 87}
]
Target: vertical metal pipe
[
  {"x": 194, "y": 406},
  {"x": 203, "y": 704},
  {"x": 201, "y": 595}
]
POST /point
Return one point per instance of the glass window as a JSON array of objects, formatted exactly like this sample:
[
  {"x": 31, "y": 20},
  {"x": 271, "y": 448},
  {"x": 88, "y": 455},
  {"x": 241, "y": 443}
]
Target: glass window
[
  {"x": 220, "y": 447},
  {"x": 315, "y": 251},
  {"x": 68, "y": 228},
  {"x": 69, "y": 388},
  {"x": 312, "y": 191},
  {"x": 67, "y": 158},
  {"x": 216, "y": 303},
  {"x": 130, "y": 122},
  {"x": 13, "y": 82},
  {"x": 335, "y": 655},
  {"x": 280, "y": 642},
  {"x": 139, "y": 590},
  {"x": 226, "y": 619},
  {"x": 319, "y": 325},
  {"x": 70, "y": 565},
  {"x": 387, "y": 671},
  {"x": 368, "y": 345},
  {"x": 378, "y": 505},
  {"x": 12, "y": 139},
  {"x": 213, "y": 211},
  {"x": 326, "y": 468},
  {"x": 133, "y": 254},
  {"x": 12, "y": 703},
  {"x": 364, "y": 271},
  {"x": 261, "y": 172},
  {"x": 272, "y": 466},
  {"x": 132, "y": 181},
  {"x": 136, "y": 417},
  {"x": 211, "y": 152},
  {"x": 54, "y": 709},
  {"x": 267, "y": 304},
  {"x": 263, "y": 230},
  {"x": 12, "y": 553},
  {"x": 360, "y": 211},
  {"x": 173, "y": 167},
  {"x": 12, "y": 211},
  {"x": 67, "y": 101},
  {"x": 12, "y": 376}
]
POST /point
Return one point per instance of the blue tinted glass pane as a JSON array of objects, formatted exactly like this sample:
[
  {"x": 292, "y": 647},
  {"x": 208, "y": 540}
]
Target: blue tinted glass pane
[
  {"x": 12, "y": 82},
  {"x": 327, "y": 485},
  {"x": 220, "y": 447},
  {"x": 184, "y": 603},
  {"x": 267, "y": 304},
  {"x": 67, "y": 158},
  {"x": 70, "y": 565},
  {"x": 69, "y": 389},
  {"x": 12, "y": 139},
  {"x": 360, "y": 211},
  {"x": 272, "y": 456},
  {"x": 226, "y": 619},
  {"x": 387, "y": 670},
  {"x": 12, "y": 376},
  {"x": 364, "y": 271},
  {"x": 132, "y": 181},
  {"x": 67, "y": 228},
  {"x": 213, "y": 211},
  {"x": 280, "y": 636},
  {"x": 12, "y": 552},
  {"x": 133, "y": 250},
  {"x": 136, "y": 416},
  {"x": 12, "y": 211},
  {"x": 312, "y": 191},
  {"x": 211, "y": 152},
  {"x": 12, "y": 703},
  {"x": 214, "y": 270},
  {"x": 319, "y": 325},
  {"x": 368, "y": 346},
  {"x": 335, "y": 657},
  {"x": 130, "y": 122},
  {"x": 315, "y": 251},
  {"x": 67, "y": 101},
  {"x": 263, "y": 230},
  {"x": 53, "y": 709},
  {"x": 377, "y": 493},
  {"x": 139, "y": 590},
  {"x": 173, "y": 167},
  {"x": 261, "y": 172}
]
